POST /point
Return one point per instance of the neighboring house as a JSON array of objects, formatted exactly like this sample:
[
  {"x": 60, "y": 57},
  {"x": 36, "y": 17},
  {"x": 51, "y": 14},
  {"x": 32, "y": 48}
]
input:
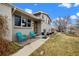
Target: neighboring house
[
  {"x": 19, "y": 20},
  {"x": 46, "y": 21}
]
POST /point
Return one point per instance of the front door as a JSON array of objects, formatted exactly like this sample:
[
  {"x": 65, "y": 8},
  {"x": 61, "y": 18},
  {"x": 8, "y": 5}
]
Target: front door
[{"x": 36, "y": 27}]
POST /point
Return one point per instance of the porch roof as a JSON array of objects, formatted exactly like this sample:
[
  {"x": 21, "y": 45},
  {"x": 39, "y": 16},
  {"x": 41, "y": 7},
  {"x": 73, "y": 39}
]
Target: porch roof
[{"x": 27, "y": 14}]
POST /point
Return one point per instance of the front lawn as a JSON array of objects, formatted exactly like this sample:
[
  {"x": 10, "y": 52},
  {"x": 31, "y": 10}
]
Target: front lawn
[{"x": 59, "y": 45}]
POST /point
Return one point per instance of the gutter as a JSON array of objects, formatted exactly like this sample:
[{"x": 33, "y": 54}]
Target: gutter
[{"x": 26, "y": 13}]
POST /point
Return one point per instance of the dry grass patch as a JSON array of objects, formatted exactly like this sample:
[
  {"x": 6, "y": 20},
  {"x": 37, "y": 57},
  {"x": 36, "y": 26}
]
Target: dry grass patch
[
  {"x": 59, "y": 44},
  {"x": 8, "y": 48}
]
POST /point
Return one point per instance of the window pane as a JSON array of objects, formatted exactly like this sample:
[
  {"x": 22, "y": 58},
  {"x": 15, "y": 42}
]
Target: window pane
[
  {"x": 24, "y": 22},
  {"x": 29, "y": 20},
  {"x": 17, "y": 20},
  {"x": 29, "y": 23}
]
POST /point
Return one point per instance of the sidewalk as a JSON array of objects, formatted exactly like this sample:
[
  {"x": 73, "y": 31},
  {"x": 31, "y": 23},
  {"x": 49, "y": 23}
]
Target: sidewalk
[{"x": 28, "y": 49}]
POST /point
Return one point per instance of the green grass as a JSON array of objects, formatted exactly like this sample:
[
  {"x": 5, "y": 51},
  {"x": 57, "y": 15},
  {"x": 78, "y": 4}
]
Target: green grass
[{"x": 59, "y": 44}]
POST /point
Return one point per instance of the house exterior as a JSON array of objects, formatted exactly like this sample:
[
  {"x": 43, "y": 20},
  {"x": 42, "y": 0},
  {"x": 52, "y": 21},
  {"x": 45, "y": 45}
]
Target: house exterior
[{"x": 19, "y": 20}]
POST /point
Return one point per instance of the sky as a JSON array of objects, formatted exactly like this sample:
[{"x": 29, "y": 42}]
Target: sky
[{"x": 54, "y": 10}]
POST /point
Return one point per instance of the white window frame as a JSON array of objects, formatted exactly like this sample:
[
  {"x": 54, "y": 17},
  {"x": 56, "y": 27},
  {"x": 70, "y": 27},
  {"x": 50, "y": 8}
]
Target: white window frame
[{"x": 21, "y": 23}]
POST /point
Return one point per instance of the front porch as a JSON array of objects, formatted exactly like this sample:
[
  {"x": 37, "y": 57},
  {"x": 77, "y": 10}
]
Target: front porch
[
  {"x": 36, "y": 27},
  {"x": 25, "y": 23},
  {"x": 28, "y": 41}
]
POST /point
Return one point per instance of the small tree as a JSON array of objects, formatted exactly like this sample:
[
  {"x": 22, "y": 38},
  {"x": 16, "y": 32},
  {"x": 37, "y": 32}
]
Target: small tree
[{"x": 61, "y": 24}]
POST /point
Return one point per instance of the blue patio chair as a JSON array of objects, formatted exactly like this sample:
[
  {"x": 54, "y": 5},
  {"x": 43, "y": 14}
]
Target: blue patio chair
[
  {"x": 32, "y": 34},
  {"x": 21, "y": 37}
]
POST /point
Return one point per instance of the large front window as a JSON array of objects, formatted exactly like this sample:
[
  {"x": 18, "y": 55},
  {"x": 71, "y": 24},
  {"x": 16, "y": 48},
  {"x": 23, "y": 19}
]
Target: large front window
[{"x": 22, "y": 22}]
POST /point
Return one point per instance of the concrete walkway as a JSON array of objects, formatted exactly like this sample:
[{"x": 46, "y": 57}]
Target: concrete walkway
[{"x": 28, "y": 49}]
